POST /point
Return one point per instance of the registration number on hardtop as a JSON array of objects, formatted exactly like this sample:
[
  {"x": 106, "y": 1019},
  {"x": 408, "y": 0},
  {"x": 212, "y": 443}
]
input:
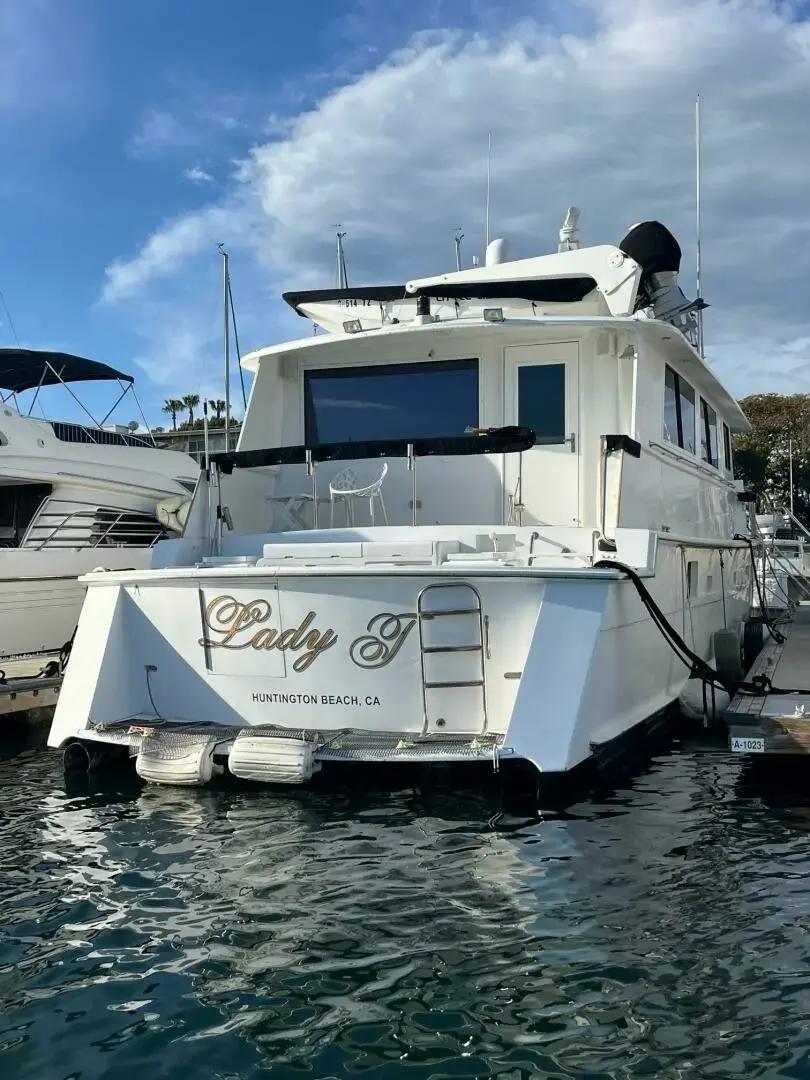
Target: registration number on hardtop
[{"x": 747, "y": 744}]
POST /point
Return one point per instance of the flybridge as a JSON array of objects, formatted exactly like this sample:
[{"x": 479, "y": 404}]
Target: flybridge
[
  {"x": 638, "y": 276},
  {"x": 546, "y": 290}
]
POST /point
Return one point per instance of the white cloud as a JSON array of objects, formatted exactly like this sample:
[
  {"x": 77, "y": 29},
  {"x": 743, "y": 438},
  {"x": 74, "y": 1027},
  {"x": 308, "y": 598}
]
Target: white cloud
[
  {"x": 161, "y": 131},
  {"x": 601, "y": 117},
  {"x": 198, "y": 176},
  {"x": 168, "y": 250},
  {"x": 190, "y": 117}
]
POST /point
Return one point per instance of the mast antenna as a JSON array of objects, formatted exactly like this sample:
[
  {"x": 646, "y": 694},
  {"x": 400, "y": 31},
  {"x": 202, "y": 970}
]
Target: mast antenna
[
  {"x": 457, "y": 244},
  {"x": 227, "y": 329},
  {"x": 489, "y": 183},
  {"x": 341, "y": 277},
  {"x": 697, "y": 223}
]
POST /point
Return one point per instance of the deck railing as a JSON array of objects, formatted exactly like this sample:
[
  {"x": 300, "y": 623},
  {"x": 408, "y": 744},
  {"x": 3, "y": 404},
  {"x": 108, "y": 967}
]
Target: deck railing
[
  {"x": 69, "y": 523},
  {"x": 476, "y": 441}
]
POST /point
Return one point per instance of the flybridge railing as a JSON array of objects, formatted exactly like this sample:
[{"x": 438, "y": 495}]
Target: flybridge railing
[
  {"x": 477, "y": 441},
  {"x": 82, "y": 433}
]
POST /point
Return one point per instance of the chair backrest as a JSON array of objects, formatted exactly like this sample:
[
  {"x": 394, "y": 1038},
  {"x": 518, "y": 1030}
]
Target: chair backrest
[
  {"x": 378, "y": 482},
  {"x": 347, "y": 481}
]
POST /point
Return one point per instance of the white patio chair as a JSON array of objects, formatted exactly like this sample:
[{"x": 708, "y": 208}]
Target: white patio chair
[{"x": 346, "y": 487}]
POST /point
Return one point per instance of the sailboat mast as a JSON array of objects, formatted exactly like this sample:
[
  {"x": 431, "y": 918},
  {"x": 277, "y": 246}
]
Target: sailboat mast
[
  {"x": 227, "y": 329},
  {"x": 697, "y": 221}
]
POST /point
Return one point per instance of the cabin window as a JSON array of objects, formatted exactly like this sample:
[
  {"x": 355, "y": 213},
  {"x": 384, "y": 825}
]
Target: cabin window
[
  {"x": 679, "y": 411},
  {"x": 671, "y": 426},
  {"x": 708, "y": 434},
  {"x": 392, "y": 401},
  {"x": 18, "y": 505},
  {"x": 691, "y": 580},
  {"x": 726, "y": 448},
  {"x": 541, "y": 401}
]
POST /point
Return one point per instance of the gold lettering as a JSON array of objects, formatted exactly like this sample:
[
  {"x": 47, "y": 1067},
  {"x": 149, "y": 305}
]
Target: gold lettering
[
  {"x": 265, "y": 639},
  {"x": 225, "y": 615},
  {"x": 385, "y": 637},
  {"x": 316, "y": 643},
  {"x": 229, "y": 618},
  {"x": 291, "y": 638}
]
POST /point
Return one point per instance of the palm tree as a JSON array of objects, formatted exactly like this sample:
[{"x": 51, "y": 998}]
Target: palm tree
[
  {"x": 173, "y": 407},
  {"x": 191, "y": 401},
  {"x": 219, "y": 408}
]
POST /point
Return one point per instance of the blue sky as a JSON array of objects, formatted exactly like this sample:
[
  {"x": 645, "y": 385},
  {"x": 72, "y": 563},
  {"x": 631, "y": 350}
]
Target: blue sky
[{"x": 136, "y": 136}]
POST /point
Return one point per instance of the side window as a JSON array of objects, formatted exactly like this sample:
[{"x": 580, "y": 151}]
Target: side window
[
  {"x": 726, "y": 448},
  {"x": 686, "y": 401},
  {"x": 679, "y": 411},
  {"x": 708, "y": 434},
  {"x": 671, "y": 432}
]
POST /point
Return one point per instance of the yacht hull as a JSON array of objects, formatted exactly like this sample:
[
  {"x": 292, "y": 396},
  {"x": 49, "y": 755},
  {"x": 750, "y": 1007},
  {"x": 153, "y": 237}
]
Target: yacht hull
[
  {"x": 41, "y": 597},
  {"x": 284, "y": 670}
]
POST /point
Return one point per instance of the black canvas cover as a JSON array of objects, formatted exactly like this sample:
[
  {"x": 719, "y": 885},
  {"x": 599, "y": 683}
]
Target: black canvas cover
[
  {"x": 23, "y": 369},
  {"x": 505, "y": 440}
]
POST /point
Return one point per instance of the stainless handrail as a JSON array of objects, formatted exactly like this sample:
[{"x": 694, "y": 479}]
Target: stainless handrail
[{"x": 57, "y": 525}]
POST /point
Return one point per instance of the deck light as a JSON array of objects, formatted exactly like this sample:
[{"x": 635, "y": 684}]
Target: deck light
[
  {"x": 493, "y": 314},
  {"x": 352, "y": 326}
]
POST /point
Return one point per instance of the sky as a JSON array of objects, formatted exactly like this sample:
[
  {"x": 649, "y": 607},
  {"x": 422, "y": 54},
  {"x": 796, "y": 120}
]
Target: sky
[{"x": 136, "y": 138}]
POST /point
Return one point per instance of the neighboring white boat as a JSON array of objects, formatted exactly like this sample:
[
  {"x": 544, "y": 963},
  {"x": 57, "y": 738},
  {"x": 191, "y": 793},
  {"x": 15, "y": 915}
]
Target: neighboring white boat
[
  {"x": 73, "y": 497},
  {"x": 514, "y": 425}
]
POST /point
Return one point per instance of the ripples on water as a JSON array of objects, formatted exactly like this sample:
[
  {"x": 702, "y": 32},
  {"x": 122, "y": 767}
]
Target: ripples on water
[{"x": 661, "y": 931}]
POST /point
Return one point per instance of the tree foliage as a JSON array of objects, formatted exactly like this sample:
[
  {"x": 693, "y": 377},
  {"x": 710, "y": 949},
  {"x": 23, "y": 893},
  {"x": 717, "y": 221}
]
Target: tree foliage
[
  {"x": 190, "y": 402},
  {"x": 779, "y": 423}
]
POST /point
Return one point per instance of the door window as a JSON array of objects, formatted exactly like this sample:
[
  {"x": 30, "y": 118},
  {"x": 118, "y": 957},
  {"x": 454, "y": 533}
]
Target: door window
[{"x": 541, "y": 401}]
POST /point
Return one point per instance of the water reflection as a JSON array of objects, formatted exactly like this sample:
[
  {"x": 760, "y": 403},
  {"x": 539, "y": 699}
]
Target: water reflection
[{"x": 661, "y": 929}]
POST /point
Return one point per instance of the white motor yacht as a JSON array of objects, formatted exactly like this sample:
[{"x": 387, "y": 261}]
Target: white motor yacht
[
  {"x": 73, "y": 497},
  {"x": 420, "y": 549}
]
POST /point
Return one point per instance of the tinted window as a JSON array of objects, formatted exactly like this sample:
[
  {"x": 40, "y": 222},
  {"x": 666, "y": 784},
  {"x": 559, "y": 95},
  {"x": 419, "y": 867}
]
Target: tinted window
[
  {"x": 18, "y": 505},
  {"x": 686, "y": 400},
  {"x": 679, "y": 410},
  {"x": 671, "y": 407},
  {"x": 726, "y": 447},
  {"x": 394, "y": 401},
  {"x": 541, "y": 400},
  {"x": 708, "y": 434}
]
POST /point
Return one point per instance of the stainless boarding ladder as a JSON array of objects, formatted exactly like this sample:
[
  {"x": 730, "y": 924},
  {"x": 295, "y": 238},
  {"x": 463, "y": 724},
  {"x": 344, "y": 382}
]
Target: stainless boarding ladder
[{"x": 472, "y": 610}]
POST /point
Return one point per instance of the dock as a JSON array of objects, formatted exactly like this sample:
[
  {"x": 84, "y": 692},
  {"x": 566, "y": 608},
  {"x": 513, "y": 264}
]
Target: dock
[
  {"x": 776, "y": 723},
  {"x": 25, "y": 689}
]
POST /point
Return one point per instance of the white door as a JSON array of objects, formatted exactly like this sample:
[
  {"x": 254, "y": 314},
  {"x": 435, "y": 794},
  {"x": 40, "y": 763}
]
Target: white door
[{"x": 541, "y": 385}]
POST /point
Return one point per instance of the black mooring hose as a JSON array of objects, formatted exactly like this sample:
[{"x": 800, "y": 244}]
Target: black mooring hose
[{"x": 699, "y": 668}]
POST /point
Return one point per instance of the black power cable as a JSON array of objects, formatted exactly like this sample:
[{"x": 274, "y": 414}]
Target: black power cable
[
  {"x": 698, "y": 667},
  {"x": 762, "y": 605}
]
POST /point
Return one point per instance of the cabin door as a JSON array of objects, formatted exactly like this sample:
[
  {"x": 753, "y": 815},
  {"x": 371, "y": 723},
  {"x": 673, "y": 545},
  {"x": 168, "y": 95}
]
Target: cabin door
[{"x": 541, "y": 384}]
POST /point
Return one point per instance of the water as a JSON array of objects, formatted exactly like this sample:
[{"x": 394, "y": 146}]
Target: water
[{"x": 662, "y": 930}]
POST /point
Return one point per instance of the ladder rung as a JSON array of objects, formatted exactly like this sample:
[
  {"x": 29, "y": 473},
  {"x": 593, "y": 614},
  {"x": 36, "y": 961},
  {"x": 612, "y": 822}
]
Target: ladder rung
[
  {"x": 440, "y": 685},
  {"x": 452, "y": 648},
  {"x": 449, "y": 611}
]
